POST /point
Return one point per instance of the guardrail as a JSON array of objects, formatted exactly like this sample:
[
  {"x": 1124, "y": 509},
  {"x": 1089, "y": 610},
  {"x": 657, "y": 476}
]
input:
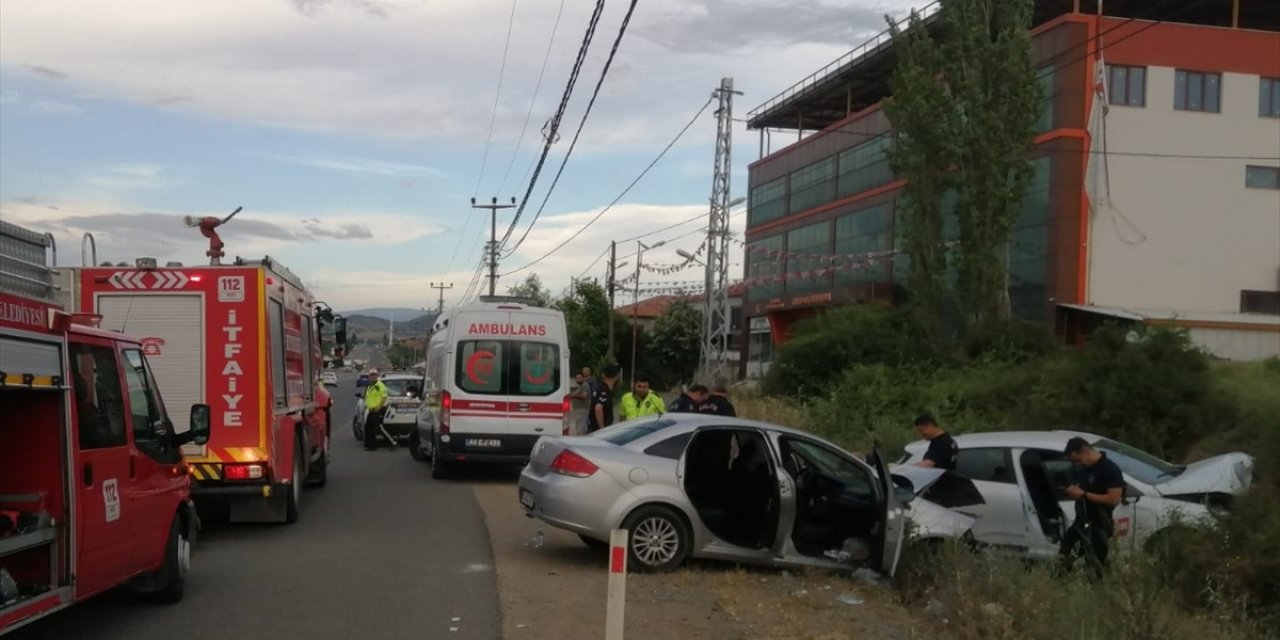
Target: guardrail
[{"x": 850, "y": 58}]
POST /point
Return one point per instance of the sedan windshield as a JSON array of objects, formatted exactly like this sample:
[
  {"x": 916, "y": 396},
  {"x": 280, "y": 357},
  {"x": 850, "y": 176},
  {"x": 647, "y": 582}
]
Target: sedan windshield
[{"x": 1138, "y": 463}]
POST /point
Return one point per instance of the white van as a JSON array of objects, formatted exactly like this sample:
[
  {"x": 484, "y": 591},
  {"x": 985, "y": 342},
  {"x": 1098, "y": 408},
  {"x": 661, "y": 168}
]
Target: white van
[{"x": 497, "y": 379}]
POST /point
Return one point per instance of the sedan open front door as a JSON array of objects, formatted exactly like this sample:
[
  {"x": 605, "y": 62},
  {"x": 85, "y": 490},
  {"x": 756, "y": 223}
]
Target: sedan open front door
[{"x": 893, "y": 521}]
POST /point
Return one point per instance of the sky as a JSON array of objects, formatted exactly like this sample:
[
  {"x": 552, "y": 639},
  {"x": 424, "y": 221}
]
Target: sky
[{"x": 355, "y": 132}]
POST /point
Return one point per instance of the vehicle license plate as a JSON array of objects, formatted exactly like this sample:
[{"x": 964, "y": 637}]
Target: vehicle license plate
[
  {"x": 526, "y": 498},
  {"x": 484, "y": 443}
]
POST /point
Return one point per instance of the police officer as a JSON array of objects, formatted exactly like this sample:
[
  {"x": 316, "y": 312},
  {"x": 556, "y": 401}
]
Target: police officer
[
  {"x": 375, "y": 405},
  {"x": 1097, "y": 490},
  {"x": 717, "y": 403},
  {"x": 600, "y": 411},
  {"x": 943, "y": 449},
  {"x": 690, "y": 400},
  {"x": 641, "y": 401}
]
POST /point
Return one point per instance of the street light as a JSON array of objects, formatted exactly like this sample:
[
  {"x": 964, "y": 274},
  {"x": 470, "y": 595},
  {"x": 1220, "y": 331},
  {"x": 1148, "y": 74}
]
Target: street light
[
  {"x": 689, "y": 256},
  {"x": 635, "y": 299},
  {"x": 737, "y": 201}
]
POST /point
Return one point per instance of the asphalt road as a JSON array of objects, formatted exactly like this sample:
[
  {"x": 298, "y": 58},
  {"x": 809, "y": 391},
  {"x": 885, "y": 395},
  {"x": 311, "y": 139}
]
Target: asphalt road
[{"x": 381, "y": 553}]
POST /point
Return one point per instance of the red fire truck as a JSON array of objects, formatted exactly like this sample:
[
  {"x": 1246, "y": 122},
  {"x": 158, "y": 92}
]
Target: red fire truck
[
  {"x": 243, "y": 338},
  {"x": 94, "y": 493}
]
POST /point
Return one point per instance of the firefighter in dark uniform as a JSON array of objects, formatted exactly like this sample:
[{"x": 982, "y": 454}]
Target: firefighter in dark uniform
[{"x": 1097, "y": 491}]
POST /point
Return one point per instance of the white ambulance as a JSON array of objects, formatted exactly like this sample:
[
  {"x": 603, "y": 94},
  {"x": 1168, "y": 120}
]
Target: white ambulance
[{"x": 496, "y": 380}]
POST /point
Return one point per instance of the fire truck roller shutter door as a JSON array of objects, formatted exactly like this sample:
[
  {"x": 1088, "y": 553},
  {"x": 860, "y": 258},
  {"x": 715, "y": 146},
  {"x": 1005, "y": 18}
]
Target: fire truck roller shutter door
[{"x": 179, "y": 364}]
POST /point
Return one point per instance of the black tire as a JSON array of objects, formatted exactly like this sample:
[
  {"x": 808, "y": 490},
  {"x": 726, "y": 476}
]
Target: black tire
[
  {"x": 415, "y": 446},
  {"x": 318, "y": 475},
  {"x": 294, "y": 497},
  {"x": 439, "y": 468},
  {"x": 593, "y": 544},
  {"x": 357, "y": 429},
  {"x": 177, "y": 561},
  {"x": 658, "y": 539}
]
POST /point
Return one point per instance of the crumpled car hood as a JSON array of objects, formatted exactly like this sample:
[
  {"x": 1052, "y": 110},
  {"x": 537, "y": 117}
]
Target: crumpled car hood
[
  {"x": 929, "y": 519},
  {"x": 1229, "y": 473}
]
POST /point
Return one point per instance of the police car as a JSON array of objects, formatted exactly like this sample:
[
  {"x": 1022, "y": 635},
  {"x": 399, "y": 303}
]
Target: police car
[{"x": 403, "y": 398}]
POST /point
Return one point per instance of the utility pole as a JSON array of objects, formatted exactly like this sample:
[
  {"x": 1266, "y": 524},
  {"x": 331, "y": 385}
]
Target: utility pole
[
  {"x": 610, "y": 283},
  {"x": 716, "y": 317},
  {"x": 491, "y": 249},
  {"x": 441, "y": 288}
]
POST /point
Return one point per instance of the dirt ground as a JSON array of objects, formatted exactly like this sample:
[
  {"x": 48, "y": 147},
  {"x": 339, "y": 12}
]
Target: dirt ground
[{"x": 552, "y": 587}]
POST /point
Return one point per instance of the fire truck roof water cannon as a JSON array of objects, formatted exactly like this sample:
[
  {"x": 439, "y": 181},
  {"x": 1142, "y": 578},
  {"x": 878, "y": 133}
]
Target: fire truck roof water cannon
[{"x": 243, "y": 337}]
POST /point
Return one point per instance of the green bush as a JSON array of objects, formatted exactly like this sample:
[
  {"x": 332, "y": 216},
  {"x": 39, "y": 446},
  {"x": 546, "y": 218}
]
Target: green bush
[
  {"x": 821, "y": 348},
  {"x": 1156, "y": 393}
]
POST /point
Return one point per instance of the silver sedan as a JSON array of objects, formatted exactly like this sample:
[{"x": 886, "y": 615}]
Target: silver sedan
[{"x": 704, "y": 486}]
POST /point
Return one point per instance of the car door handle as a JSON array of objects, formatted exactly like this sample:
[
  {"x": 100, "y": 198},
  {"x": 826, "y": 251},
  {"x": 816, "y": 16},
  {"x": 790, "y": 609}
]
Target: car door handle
[
  {"x": 88, "y": 474},
  {"x": 132, "y": 465}
]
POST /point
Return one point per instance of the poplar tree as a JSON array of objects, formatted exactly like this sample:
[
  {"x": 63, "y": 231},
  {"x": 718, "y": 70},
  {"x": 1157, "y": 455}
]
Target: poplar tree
[{"x": 965, "y": 101}]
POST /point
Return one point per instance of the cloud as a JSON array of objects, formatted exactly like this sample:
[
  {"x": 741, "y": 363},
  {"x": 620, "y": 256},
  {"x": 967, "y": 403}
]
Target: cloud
[
  {"x": 725, "y": 26},
  {"x": 128, "y": 177},
  {"x": 359, "y": 165},
  {"x": 39, "y": 106},
  {"x": 52, "y": 74},
  {"x": 121, "y": 232},
  {"x": 429, "y": 70}
]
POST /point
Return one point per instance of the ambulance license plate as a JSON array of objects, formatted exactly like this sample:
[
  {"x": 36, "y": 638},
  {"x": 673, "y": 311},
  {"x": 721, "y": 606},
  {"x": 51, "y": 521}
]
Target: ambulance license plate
[
  {"x": 484, "y": 443},
  {"x": 526, "y": 498}
]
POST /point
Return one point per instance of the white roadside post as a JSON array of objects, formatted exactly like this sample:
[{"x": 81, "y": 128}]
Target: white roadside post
[{"x": 617, "y": 584}]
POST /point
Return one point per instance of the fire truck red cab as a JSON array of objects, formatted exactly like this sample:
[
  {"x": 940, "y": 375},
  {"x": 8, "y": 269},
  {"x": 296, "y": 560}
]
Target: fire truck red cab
[
  {"x": 94, "y": 493},
  {"x": 243, "y": 338}
]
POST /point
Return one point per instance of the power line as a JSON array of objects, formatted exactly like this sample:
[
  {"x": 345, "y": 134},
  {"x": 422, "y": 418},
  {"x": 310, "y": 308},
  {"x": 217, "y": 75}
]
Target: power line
[
  {"x": 537, "y": 88},
  {"x": 553, "y": 126},
  {"x": 624, "y": 191},
  {"x": 622, "y": 30},
  {"x": 502, "y": 70}
]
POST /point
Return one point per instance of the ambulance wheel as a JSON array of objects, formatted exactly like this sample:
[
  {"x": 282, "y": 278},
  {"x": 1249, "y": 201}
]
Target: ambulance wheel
[
  {"x": 295, "y": 486},
  {"x": 415, "y": 446},
  {"x": 439, "y": 468},
  {"x": 177, "y": 561}
]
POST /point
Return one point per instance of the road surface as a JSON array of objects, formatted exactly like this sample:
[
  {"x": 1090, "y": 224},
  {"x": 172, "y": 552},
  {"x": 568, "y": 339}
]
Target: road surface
[{"x": 381, "y": 553}]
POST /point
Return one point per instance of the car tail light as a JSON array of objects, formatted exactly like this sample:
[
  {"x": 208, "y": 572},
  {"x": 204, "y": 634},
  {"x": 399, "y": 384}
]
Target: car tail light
[
  {"x": 566, "y": 408},
  {"x": 242, "y": 472},
  {"x": 446, "y": 407},
  {"x": 570, "y": 463}
]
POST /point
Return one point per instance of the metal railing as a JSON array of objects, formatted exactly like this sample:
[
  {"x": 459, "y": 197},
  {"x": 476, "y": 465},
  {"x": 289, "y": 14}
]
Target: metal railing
[
  {"x": 25, "y": 267},
  {"x": 853, "y": 57}
]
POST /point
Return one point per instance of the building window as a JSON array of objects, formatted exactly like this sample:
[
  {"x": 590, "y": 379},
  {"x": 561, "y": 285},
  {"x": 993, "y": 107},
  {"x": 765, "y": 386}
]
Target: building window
[
  {"x": 762, "y": 267},
  {"x": 1256, "y": 177},
  {"x": 1269, "y": 97},
  {"x": 1029, "y": 247},
  {"x": 1047, "y": 84},
  {"x": 1127, "y": 85},
  {"x": 768, "y": 202},
  {"x": 865, "y": 166},
  {"x": 1267, "y": 302},
  {"x": 864, "y": 232},
  {"x": 1197, "y": 91},
  {"x": 808, "y": 248},
  {"x": 813, "y": 185}
]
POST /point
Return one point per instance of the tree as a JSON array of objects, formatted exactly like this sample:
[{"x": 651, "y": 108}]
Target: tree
[
  {"x": 965, "y": 104},
  {"x": 533, "y": 289},
  {"x": 586, "y": 312},
  {"x": 676, "y": 340}
]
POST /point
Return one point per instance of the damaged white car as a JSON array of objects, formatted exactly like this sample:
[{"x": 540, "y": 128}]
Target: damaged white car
[
  {"x": 704, "y": 486},
  {"x": 1011, "y": 483}
]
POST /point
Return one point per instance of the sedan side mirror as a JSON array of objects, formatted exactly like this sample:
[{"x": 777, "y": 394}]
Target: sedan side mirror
[
  {"x": 201, "y": 417},
  {"x": 1131, "y": 495}
]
